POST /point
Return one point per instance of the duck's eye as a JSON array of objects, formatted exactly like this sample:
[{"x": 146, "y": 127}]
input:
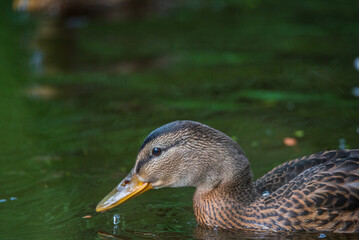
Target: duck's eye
[{"x": 156, "y": 151}]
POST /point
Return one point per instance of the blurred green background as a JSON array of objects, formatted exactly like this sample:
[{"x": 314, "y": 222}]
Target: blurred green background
[{"x": 84, "y": 82}]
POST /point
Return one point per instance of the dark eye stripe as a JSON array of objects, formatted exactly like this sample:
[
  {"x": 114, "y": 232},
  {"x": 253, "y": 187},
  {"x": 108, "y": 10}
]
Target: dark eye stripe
[{"x": 150, "y": 157}]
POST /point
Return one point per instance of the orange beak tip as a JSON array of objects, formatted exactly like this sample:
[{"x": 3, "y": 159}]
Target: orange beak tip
[{"x": 130, "y": 187}]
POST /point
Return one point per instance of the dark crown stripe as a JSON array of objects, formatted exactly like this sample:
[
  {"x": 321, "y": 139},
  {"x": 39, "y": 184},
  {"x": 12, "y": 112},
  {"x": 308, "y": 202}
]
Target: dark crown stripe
[{"x": 165, "y": 129}]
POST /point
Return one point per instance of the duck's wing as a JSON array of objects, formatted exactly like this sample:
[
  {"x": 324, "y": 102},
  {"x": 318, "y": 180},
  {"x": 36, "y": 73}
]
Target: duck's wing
[
  {"x": 322, "y": 198},
  {"x": 285, "y": 172}
]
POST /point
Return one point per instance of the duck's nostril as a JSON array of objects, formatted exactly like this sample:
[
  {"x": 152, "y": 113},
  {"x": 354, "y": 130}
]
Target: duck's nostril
[{"x": 125, "y": 183}]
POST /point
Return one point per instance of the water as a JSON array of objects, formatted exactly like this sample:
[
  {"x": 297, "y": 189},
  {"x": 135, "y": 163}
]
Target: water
[
  {"x": 80, "y": 93},
  {"x": 322, "y": 235},
  {"x": 265, "y": 193}
]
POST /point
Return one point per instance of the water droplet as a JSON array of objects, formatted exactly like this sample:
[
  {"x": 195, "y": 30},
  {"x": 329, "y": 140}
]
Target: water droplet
[
  {"x": 13, "y": 198},
  {"x": 265, "y": 193},
  {"x": 116, "y": 230},
  {"x": 322, "y": 235},
  {"x": 2, "y": 200},
  {"x": 116, "y": 219}
]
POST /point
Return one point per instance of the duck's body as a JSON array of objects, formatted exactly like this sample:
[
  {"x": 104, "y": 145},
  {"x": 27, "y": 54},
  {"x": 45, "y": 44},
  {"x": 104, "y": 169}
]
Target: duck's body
[{"x": 319, "y": 192}]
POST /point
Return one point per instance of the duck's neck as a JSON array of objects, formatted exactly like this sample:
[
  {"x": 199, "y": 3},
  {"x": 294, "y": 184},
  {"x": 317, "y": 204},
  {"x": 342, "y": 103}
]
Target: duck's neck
[{"x": 226, "y": 205}]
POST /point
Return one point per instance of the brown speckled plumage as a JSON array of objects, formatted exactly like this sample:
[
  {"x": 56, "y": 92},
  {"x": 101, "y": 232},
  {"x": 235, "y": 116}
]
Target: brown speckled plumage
[
  {"x": 319, "y": 192},
  {"x": 323, "y": 195}
]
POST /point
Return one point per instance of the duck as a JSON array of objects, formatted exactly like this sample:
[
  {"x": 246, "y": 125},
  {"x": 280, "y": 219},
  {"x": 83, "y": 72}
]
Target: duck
[
  {"x": 319, "y": 192},
  {"x": 109, "y": 9}
]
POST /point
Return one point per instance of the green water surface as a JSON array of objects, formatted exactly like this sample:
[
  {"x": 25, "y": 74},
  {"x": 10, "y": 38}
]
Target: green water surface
[{"x": 79, "y": 94}]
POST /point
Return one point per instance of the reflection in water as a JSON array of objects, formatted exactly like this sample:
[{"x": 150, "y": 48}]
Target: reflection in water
[
  {"x": 54, "y": 48},
  {"x": 248, "y": 71},
  {"x": 140, "y": 235},
  {"x": 209, "y": 234},
  {"x": 106, "y": 235},
  {"x": 5, "y": 200},
  {"x": 36, "y": 61},
  {"x": 42, "y": 92},
  {"x": 202, "y": 233},
  {"x": 64, "y": 8}
]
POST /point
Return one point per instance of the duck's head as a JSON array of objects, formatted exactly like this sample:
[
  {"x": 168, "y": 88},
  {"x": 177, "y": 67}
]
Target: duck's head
[{"x": 178, "y": 154}]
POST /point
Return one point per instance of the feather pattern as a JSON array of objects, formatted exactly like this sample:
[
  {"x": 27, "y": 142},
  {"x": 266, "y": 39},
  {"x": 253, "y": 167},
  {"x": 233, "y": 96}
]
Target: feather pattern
[{"x": 319, "y": 192}]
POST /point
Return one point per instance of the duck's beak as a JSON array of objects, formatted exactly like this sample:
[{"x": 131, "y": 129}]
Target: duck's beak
[{"x": 130, "y": 187}]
